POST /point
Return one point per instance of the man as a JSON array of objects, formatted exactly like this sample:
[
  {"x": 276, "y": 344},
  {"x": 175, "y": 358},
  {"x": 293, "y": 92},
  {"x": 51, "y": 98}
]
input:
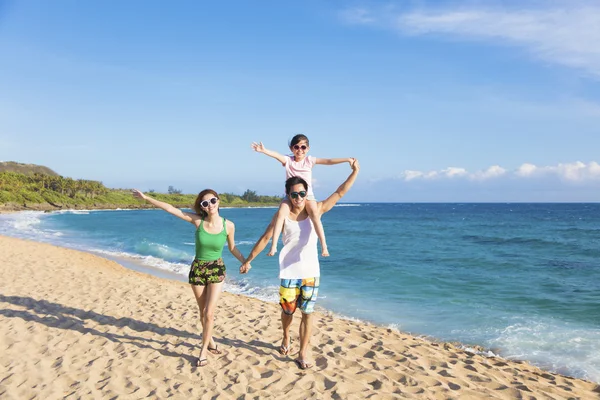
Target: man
[{"x": 298, "y": 261}]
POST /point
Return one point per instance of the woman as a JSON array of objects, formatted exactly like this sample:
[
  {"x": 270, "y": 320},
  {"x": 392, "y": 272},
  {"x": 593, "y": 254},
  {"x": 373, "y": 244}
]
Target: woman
[{"x": 207, "y": 272}]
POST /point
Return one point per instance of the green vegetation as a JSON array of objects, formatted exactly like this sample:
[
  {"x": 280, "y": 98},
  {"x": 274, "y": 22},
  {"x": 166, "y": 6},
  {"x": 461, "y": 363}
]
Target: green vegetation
[
  {"x": 41, "y": 191},
  {"x": 26, "y": 169}
]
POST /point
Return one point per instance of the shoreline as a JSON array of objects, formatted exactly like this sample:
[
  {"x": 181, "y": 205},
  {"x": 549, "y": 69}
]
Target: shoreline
[{"x": 100, "y": 329}]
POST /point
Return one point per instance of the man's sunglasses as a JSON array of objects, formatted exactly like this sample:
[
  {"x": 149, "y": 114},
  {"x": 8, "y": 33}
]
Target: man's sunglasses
[
  {"x": 205, "y": 203},
  {"x": 294, "y": 195},
  {"x": 297, "y": 147}
]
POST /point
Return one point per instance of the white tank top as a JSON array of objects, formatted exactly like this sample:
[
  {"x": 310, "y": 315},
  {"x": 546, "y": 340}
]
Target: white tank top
[{"x": 299, "y": 258}]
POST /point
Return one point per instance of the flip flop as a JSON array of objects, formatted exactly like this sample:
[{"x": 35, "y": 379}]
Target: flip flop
[
  {"x": 201, "y": 362},
  {"x": 284, "y": 350},
  {"x": 302, "y": 364},
  {"x": 215, "y": 350}
]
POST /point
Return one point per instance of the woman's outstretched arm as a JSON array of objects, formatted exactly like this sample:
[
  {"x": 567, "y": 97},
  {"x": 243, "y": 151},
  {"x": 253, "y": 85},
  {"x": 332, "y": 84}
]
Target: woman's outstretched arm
[{"x": 188, "y": 217}]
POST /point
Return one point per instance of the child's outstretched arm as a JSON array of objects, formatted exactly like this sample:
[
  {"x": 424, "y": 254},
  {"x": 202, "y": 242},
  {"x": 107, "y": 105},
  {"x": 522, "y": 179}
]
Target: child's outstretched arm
[
  {"x": 259, "y": 147},
  {"x": 333, "y": 161}
]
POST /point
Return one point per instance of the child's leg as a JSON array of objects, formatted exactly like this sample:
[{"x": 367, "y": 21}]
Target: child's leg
[
  {"x": 284, "y": 211},
  {"x": 315, "y": 217}
]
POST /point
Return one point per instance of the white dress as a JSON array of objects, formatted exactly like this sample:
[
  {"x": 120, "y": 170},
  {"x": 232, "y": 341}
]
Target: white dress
[{"x": 299, "y": 258}]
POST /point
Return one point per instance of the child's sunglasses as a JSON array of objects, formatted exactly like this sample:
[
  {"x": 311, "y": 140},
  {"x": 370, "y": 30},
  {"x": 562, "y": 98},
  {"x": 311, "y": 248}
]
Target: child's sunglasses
[
  {"x": 294, "y": 195},
  {"x": 205, "y": 203},
  {"x": 297, "y": 147}
]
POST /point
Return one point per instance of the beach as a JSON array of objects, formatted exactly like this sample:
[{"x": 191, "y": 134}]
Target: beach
[{"x": 79, "y": 326}]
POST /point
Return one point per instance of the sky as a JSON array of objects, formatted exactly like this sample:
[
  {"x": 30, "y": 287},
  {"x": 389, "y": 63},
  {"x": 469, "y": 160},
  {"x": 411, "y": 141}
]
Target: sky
[{"x": 440, "y": 101}]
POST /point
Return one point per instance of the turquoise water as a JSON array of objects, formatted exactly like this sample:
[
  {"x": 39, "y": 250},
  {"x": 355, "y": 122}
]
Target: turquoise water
[{"x": 522, "y": 280}]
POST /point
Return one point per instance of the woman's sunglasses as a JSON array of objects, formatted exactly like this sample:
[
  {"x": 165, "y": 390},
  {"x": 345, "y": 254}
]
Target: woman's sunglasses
[
  {"x": 297, "y": 147},
  {"x": 294, "y": 195},
  {"x": 205, "y": 203}
]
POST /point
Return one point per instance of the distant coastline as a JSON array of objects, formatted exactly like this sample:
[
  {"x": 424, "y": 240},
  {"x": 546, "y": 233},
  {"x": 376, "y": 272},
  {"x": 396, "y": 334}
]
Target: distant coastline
[
  {"x": 30, "y": 187},
  {"x": 11, "y": 207}
]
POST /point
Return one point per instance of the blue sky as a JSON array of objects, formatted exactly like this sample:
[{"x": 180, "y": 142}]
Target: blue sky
[{"x": 440, "y": 101}]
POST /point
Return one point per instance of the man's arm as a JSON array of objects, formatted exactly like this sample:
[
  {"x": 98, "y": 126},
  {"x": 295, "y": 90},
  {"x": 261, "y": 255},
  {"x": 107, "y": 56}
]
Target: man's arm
[
  {"x": 259, "y": 246},
  {"x": 331, "y": 201}
]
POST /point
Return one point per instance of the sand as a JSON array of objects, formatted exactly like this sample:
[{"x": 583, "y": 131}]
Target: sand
[{"x": 74, "y": 325}]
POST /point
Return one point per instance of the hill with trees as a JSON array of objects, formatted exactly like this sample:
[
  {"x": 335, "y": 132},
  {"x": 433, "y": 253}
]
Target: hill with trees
[
  {"x": 25, "y": 169},
  {"x": 34, "y": 187}
]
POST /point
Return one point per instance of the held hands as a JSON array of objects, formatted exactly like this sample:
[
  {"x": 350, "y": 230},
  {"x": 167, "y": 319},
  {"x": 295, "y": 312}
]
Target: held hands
[
  {"x": 138, "y": 194},
  {"x": 259, "y": 147},
  {"x": 245, "y": 268},
  {"x": 354, "y": 164}
]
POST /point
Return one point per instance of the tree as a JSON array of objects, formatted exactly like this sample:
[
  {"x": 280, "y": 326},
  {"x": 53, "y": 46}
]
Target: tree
[
  {"x": 250, "y": 196},
  {"x": 172, "y": 190}
]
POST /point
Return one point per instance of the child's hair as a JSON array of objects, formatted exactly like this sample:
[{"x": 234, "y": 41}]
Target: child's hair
[
  {"x": 296, "y": 139},
  {"x": 198, "y": 207},
  {"x": 294, "y": 180}
]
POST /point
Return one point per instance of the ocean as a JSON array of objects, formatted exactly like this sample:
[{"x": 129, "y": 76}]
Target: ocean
[{"x": 521, "y": 281}]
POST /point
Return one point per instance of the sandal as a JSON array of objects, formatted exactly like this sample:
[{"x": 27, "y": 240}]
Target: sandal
[
  {"x": 215, "y": 350},
  {"x": 302, "y": 364},
  {"x": 284, "y": 350},
  {"x": 201, "y": 362}
]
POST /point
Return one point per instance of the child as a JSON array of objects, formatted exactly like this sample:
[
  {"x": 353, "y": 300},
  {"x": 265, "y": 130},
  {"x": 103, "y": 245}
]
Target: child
[{"x": 299, "y": 165}]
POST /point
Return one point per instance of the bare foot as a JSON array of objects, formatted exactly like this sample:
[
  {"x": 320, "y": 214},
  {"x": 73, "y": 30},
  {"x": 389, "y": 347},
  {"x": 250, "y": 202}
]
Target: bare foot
[
  {"x": 325, "y": 252},
  {"x": 272, "y": 252}
]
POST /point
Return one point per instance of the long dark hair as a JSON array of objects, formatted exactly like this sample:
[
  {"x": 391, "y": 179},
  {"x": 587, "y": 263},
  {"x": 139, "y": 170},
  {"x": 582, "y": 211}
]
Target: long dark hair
[{"x": 198, "y": 207}]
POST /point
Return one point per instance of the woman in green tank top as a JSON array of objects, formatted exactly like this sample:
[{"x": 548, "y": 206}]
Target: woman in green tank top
[{"x": 207, "y": 272}]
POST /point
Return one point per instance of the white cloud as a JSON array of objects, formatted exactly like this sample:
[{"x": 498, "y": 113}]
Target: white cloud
[
  {"x": 526, "y": 170},
  {"x": 566, "y": 34},
  {"x": 494, "y": 171},
  {"x": 452, "y": 172},
  {"x": 570, "y": 172}
]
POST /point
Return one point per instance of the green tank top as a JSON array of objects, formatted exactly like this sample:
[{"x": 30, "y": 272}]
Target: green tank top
[{"x": 209, "y": 246}]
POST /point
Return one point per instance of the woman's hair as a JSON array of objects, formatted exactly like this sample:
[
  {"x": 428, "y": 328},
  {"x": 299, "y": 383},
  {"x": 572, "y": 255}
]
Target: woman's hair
[
  {"x": 296, "y": 139},
  {"x": 197, "y": 206},
  {"x": 294, "y": 180}
]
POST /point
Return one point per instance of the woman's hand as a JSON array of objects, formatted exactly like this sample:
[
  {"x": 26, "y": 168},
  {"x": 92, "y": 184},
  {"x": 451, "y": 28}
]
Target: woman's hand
[{"x": 138, "y": 194}]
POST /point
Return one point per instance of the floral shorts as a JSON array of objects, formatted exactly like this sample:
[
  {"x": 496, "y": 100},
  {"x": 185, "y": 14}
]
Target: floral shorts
[{"x": 203, "y": 273}]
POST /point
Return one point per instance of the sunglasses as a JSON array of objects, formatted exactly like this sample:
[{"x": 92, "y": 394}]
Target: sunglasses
[
  {"x": 297, "y": 147},
  {"x": 294, "y": 195},
  {"x": 205, "y": 203}
]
